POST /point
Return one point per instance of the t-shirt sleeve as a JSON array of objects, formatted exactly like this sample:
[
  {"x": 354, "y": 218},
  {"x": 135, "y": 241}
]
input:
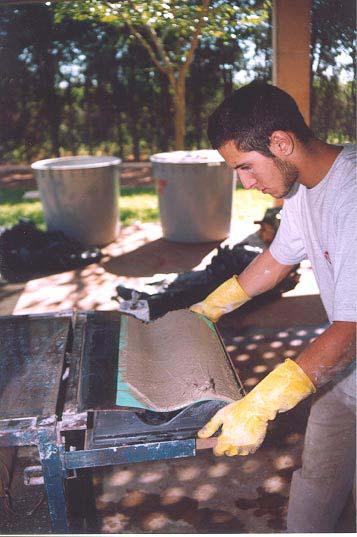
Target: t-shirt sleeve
[
  {"x": 345, "y": 262},
  {"x": 287, "y": 247}
]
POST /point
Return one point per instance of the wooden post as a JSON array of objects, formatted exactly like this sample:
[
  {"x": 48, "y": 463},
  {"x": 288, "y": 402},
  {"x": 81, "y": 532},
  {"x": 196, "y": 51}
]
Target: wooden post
[{"x": 291, "y": 52}]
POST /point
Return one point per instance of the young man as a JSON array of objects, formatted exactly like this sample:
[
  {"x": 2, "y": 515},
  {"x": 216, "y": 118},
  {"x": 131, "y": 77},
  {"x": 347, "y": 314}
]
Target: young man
[{"x": 260, "y": 132}]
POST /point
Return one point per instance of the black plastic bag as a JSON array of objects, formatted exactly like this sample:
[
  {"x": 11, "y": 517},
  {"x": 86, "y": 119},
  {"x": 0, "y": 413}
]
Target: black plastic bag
[
  {"x": 194, "y": 286},
  {"x": 26, "y": 251}
]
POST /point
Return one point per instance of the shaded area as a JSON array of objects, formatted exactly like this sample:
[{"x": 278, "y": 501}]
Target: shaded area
[
  {"x": 247, "y": 494},
  {"x": 153, "y": 513},
  {"x": 29, "y": 508},
  {"x": 289, "y": 311},
  {"x": 27, "y": 252},
  {"x": 138, "y": 251},
  {"x": 32, "y": 357},
  {"x": 206, "y": 494},
  {"x": 158, "y": 256},
  {"x": 9, "y": 295}
]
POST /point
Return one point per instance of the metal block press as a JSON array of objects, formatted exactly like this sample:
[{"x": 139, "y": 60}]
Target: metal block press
[{"x": 93, "y": 389}]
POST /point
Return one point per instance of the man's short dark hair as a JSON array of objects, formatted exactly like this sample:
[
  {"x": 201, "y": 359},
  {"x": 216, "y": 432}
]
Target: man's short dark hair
[{"x": 251, "y": 114}]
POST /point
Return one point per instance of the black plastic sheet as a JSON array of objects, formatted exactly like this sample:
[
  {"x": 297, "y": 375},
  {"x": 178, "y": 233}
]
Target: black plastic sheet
[{"x": 27, "y": 252}]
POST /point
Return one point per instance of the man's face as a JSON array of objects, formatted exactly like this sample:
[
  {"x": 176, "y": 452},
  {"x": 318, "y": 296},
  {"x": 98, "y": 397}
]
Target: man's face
[{"x": 270, "y": 175}]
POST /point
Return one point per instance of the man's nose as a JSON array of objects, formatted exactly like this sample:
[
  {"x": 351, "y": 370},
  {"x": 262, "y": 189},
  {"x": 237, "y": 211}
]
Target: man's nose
[{"x": 247, "y": 181}]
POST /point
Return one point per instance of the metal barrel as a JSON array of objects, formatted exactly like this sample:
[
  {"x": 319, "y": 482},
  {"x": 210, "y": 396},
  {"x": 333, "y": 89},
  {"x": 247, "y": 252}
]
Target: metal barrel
[
  {"x": 195, "y": 190},
  {"x": 80, "y": 196}
]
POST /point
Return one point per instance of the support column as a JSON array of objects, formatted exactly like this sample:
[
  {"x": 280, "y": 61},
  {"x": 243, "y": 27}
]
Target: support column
[{"x": 291, "y": 52}]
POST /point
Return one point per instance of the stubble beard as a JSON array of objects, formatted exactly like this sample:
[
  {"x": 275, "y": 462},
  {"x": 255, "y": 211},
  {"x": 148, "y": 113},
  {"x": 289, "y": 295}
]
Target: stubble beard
[{"x": 289, "y": 173}]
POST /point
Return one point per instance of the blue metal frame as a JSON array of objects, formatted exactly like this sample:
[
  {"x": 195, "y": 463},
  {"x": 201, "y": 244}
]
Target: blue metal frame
[
  {"x": 108, "y": 456},
  {"x": 57, "y": 463},
  {"x": 35, "y": 423},
  {"x": 54, "y": 478}
]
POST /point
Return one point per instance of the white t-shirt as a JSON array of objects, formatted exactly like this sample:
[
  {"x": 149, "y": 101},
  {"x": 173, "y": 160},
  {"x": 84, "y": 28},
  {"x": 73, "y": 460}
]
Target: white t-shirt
[{"x": 320, "y": 224}]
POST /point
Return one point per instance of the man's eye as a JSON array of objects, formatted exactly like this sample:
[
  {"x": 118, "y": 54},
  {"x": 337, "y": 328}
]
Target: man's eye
[{"x": 245, "y": 167}]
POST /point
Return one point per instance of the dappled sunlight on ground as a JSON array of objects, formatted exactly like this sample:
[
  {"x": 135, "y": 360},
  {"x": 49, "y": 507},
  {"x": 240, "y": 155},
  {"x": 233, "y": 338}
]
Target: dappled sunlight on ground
[
  {"x": 205, "y": 494},
  {"x": 89, "y": 288},
  {"x": 202, "y": 494},
  {"x": 139, "y": 253},
  {"x": 71, "y": 290},
  {"x": 209, "y": 494}
]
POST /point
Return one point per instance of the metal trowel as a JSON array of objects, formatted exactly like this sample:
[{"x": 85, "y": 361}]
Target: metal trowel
[{"x": 136, "y": 307}]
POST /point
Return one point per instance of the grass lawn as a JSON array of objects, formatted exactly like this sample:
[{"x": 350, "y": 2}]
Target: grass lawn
[{"x": 138, "y": 203}]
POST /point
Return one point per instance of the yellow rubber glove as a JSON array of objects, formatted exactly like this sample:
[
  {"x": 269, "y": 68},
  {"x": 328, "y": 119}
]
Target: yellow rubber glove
[
  {"x": 244, "y": 423},
  {"x": 227, "y": 297}
]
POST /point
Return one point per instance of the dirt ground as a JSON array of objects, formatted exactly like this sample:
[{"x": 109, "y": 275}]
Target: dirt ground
[
  {"x": 205, "y": 494},
  {"x": 195, "y": 495},
  {"x": 131, "y": 175}
]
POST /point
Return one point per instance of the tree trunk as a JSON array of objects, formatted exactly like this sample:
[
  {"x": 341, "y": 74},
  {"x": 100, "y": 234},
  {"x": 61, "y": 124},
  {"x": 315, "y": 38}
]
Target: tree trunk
[
  {"x": 88, "y": 114},
  {"x": 135, "y": 138},
  {"x": 133, "y": 112},
  {"x": 54, "y": 120},
  {"x": 197, "y": 115},
  {"x": 50, "y": 109},
  {"x": 120, "y": 135},
  {"x": 72, "y": 141},
  {"x": 51, "y": 99},
  {"x": 164, "y": 127},
  {"x": 227, "y": 82},
  {"x": 179, "y": 113}
]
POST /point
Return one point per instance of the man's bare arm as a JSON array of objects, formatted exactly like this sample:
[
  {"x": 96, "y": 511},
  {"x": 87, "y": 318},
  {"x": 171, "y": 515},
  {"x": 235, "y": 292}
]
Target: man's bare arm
[
  {"x": 330, "y": 353},
  {"x": 262, "y": 274}
]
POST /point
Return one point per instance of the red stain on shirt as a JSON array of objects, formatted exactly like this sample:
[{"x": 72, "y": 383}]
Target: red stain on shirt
[{"x": 327, "y": 256}]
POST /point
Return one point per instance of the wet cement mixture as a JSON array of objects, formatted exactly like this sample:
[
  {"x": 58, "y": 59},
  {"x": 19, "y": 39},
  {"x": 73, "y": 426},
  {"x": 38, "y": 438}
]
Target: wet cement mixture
[{"x": 176, "y": 361}]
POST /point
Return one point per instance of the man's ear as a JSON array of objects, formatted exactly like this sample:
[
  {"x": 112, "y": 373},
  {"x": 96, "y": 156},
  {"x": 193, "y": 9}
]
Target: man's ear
[{"x": 281, "y": 144}]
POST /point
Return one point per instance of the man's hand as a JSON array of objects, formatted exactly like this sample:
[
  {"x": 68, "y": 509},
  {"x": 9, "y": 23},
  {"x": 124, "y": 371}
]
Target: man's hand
[
  {"x": 244, "y": 423},
  {"x": 227, "y": 297},
  {"x": 242, "y": 431}
]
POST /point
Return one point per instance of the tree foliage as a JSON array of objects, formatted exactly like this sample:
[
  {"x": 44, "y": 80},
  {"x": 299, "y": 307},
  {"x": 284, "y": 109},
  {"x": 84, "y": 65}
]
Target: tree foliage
[
  {"x": 333, "y": 38},
  {"x": 170, "y": 31},
  {"x": 86, "y": 85}
]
